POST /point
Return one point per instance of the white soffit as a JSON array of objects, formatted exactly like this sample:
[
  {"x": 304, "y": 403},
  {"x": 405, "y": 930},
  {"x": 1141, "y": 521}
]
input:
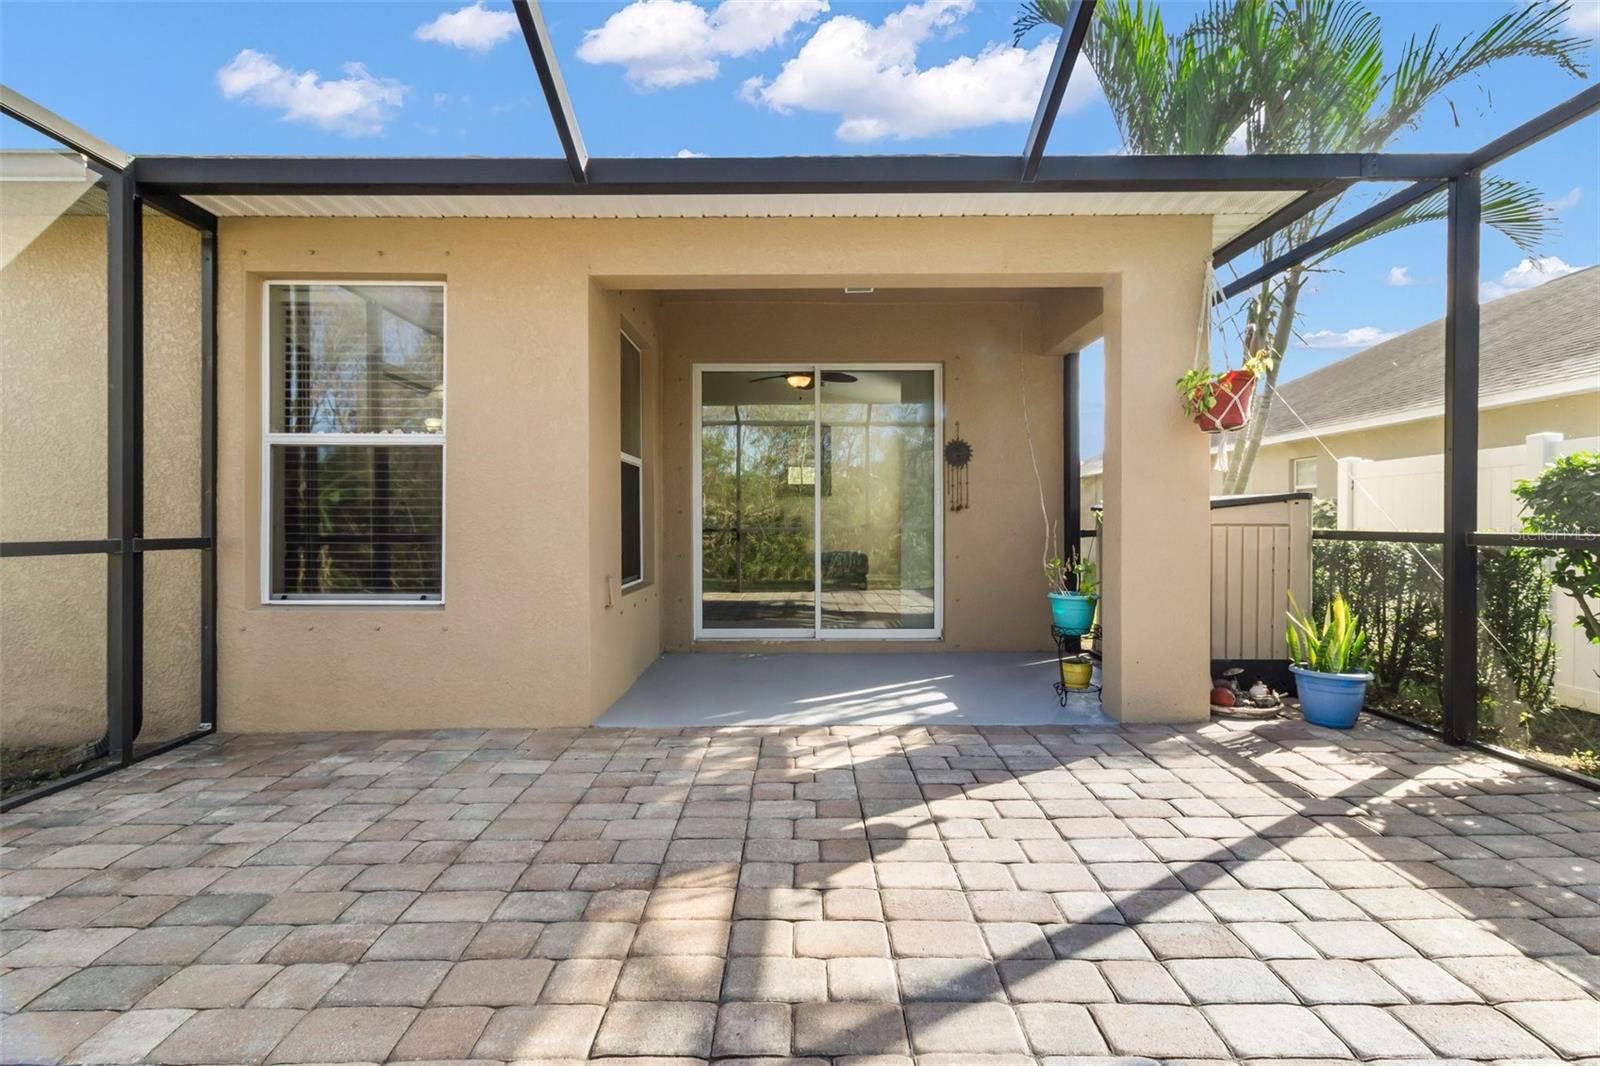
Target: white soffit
[{"x": 1231, "y": 212}]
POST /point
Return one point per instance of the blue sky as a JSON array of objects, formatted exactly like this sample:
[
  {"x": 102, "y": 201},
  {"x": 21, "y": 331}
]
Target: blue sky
[{"x": 788, "y": 77}]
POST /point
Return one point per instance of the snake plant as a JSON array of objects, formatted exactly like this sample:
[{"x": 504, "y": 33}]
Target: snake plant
[{"x": 1337, "y": 646}]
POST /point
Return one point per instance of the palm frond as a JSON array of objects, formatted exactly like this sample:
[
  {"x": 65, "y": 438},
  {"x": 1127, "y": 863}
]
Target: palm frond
[
  {"x": 1037, "y": 13},
  {"x": 1514, "y": 208},
  {"x": 1426, "y": 69}
]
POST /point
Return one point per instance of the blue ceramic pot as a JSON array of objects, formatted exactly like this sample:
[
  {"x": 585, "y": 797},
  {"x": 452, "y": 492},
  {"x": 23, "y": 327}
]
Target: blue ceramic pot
[
  {"x": 1332, "y": 700},
  {"x": 1071, "y": 613}
]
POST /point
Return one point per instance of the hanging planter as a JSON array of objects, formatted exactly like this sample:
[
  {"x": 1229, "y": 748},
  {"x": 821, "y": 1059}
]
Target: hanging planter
[
  {"x": 1224, "y": 403},
  {"x": 1219, "y": 401}
]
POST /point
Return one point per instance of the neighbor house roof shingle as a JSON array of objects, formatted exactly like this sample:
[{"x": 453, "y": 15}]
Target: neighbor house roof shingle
[{"x": 1544, "y": 340}]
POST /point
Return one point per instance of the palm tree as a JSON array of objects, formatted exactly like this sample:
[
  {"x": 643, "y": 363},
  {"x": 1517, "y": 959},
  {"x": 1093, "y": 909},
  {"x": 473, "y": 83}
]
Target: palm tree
[{"x": 1287, "y": 76}]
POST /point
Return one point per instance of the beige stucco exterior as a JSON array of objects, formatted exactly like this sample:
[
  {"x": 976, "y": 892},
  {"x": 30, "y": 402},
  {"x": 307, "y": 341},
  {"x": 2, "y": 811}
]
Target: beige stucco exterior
[{"x": 534, "y": 630}]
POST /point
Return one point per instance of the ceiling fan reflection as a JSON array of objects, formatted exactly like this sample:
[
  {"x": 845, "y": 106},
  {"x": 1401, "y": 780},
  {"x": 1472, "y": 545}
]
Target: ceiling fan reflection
[{"x": 805, "y": 379}]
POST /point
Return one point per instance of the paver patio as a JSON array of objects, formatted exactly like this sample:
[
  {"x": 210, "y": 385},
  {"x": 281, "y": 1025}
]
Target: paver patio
[{"x": 946, "y": 895}]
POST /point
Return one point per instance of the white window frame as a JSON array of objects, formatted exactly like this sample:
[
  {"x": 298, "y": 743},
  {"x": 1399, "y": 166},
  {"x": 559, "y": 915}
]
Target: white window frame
[
  {"x": 636, "y": 461},
  {"x": 1294, "y": 473},
  {"x": 270, "y": 439},
  {"x": 816, "y": 633}
]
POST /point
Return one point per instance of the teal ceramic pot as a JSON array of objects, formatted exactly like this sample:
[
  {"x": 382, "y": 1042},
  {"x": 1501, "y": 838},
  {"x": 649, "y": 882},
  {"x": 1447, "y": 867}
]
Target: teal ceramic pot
[{"x": 1071, "y": 613}]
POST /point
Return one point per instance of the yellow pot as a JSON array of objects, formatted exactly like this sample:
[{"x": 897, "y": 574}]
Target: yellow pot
[{"x": 1077, "y": 675}]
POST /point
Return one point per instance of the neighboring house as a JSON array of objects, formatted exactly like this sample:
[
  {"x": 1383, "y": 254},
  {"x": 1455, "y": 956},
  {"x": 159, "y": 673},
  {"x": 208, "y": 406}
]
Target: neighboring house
[{"x": 1539, "y": 373}]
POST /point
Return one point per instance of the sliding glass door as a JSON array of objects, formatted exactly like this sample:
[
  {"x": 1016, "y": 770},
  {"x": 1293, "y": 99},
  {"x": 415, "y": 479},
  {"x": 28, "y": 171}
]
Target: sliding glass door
[{"x": 818, "y": 502}]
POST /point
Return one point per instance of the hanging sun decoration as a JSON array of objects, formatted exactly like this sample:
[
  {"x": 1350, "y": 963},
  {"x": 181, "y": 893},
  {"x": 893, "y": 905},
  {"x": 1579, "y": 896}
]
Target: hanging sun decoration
[{"x": 957, "y": 456}]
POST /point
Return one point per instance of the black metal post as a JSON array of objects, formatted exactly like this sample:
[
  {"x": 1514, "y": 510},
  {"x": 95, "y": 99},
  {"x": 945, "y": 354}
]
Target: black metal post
[
  {"x": 1074, "y": 31},
  {"x": 543, "y": 54},
  {"x": 208, "y": 477},
  {"x": 1461, "y": 459},
  {"x": 1071, "y": 465},
  {"x": 124, "y": 466},
  {"x": 1071, "y": 456}
]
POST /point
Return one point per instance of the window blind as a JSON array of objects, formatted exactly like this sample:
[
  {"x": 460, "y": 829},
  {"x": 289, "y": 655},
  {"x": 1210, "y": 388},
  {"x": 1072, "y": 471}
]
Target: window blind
[{"x": 355, "y": 441}]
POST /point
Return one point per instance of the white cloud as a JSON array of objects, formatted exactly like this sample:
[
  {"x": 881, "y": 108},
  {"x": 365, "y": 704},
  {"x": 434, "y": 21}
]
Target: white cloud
[
  {"x": 1399, "y": 277},
  {"x": 689, "y": 153},
  {"x": 1570, "y": 200},
  {"x": 1356, "y": 337},
  {"x": 474, "y": 28},
  {"x": 1528, "y": 274},
  {"x": 1585, "y": 17},
  {"x": 665, "y": 43},
  {"x": 357, "y": 105},
  {"x": 868, "y": 75}
]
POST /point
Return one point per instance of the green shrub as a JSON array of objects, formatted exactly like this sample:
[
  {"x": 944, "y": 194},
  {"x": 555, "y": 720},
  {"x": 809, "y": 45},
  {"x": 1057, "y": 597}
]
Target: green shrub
[
  {"x": 1516, "y": 657},
  {"x": 1566, "y": 499},
  {"x": 1395, "y": 590}
]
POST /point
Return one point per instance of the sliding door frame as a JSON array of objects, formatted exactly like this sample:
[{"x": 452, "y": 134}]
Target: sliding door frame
[{"x": 816, "y": 631}]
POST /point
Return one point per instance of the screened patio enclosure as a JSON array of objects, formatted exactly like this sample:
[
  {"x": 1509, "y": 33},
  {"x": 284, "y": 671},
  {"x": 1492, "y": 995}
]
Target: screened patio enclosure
[
  {"x": 109, "y": 506},
  {"x": 106, "y": 502}
]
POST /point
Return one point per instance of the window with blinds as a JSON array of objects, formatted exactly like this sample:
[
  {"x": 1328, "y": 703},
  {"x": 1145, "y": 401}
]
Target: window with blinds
[{"x": 354, "y": 444}]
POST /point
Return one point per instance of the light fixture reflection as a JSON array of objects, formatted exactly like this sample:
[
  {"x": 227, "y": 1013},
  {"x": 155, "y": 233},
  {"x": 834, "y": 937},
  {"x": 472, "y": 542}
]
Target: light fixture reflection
[{"x": 798, "y": 381}]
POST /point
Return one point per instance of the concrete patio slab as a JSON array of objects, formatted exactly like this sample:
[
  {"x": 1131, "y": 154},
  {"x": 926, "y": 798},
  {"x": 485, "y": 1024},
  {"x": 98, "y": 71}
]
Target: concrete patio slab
[
  {"x": 923, "y": 895},
  {"x": 841, "y": 688}
]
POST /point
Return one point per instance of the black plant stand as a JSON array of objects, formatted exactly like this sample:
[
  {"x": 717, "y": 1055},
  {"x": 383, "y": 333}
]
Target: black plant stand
[{"x": 1066, "y": 645}]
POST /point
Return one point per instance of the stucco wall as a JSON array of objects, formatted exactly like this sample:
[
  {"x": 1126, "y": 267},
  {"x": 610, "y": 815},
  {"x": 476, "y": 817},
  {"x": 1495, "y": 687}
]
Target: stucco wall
[
  {"x": 625, "y": 626},
  {"x": 989, "y": 353},
  {"x": 523, "y": 638},
  {"x": 510, "y": 644},
  {"x": 53, "y": 481}
]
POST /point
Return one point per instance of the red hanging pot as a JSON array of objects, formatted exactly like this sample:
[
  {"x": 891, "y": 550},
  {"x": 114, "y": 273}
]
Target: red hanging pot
[{"x": 1234, "y": 391}]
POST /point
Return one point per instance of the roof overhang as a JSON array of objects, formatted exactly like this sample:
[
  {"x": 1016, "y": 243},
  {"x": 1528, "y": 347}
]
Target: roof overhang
[
  {"x": 1238, "y": 193},
  {"x": 1231, "y": 213}
]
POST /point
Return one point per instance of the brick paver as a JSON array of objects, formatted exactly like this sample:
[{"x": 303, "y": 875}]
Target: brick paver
[{"x": 930, "y": 896}]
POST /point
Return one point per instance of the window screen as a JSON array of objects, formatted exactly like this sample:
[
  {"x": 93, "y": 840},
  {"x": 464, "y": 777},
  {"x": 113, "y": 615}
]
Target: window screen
[{"x": 355, "y": 441}]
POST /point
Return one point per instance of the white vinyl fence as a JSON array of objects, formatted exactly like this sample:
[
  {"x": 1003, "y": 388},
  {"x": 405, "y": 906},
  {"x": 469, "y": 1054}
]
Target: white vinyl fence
[{"x": 1408, "y": 494}]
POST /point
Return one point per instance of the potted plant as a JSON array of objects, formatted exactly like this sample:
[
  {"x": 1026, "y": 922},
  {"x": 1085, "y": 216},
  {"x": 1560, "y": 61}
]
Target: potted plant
[
  {"x": 1077, "y": 671},
  {"x": 1073, "y": 587},
  {"x": 1329, "y": 663},
  {"x": 1220, "y": 400}
]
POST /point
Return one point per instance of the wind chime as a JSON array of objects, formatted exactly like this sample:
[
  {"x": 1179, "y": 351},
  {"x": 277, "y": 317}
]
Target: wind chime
[{"x": 957, "y": 457}]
